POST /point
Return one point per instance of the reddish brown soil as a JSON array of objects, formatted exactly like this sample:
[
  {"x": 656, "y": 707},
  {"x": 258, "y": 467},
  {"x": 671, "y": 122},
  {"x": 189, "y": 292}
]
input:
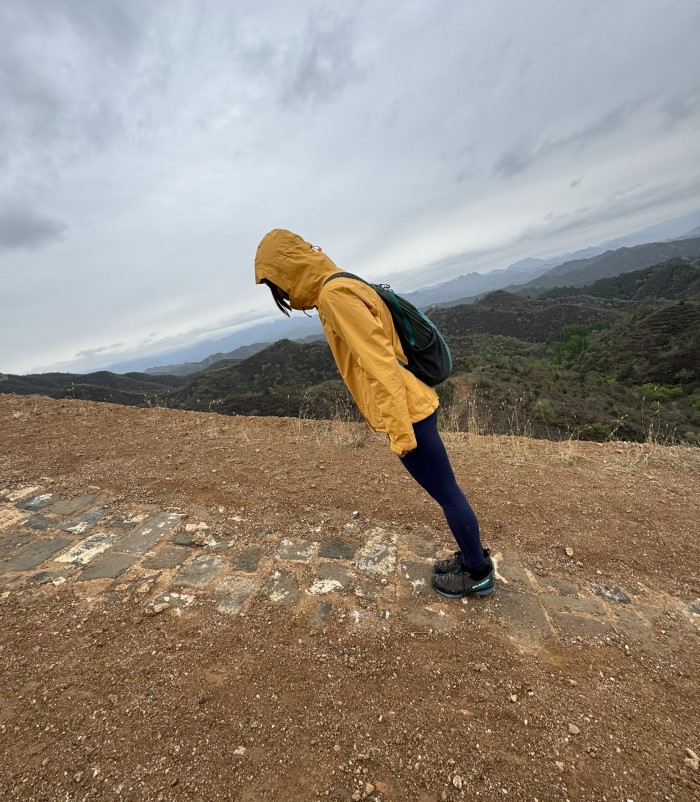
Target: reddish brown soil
[{"x": 100, "y": 700}]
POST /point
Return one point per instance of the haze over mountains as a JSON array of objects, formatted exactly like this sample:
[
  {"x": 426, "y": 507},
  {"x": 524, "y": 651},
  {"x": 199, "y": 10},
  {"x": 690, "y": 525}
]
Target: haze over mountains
[
  {"x": 462, "y": 289},
  {"x": 619, "y": 356}
]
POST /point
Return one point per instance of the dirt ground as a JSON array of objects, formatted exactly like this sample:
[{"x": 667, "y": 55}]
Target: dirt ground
[{"x": 386, "y": 693}]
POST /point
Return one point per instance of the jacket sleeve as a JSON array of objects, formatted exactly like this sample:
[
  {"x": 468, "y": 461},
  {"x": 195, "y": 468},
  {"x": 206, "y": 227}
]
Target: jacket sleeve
[{"x": 353, "y": 321}]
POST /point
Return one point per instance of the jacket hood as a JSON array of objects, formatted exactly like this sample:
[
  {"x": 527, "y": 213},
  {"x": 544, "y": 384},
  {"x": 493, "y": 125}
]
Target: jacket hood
[{"x": 287, "y": 260}]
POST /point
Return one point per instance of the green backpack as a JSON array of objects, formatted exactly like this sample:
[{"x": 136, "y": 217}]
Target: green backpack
[{"x": 428, "y": 354}]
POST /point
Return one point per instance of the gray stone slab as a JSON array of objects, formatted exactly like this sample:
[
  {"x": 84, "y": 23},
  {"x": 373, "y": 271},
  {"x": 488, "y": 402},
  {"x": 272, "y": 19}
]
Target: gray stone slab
[
  {"x": 248, "y": 560},
  {"x": 183, "y": 538},
  {"x": 573, "y": 625},
  {"x": 71, "y": 506},
  {"x": 631, "y": 625},
  {"x": 693, "y": 607},
  {"x": 378, "y": 555},
  {"x": 282, "y": 588},
  {"x": 588, "y": 605},
  {"x": 320, "y": 614},
  {"x": 369, "y": 589},
  {"x": 39, "y": 502},
  {"x": 85, "y": 521},
  {"x": 422, "y": 620},
  {"x": 122, "y": 522},
  {"x": 146, "y": 536},
  {"x": 418, "y": 576},
  {"x": 108, "y": 566},
  {"x": 301, "y": 551},
  {"x": 166, "y": 557},
  {"x": 610, "y": 593},
  {"x": 420, "y": 546},
  {"x": 12, "y": 541},
  {"x": 561, "y": 586},
  {"x": 200, "y": 572},
  {"x": 330, "y": 578},
  {"x": 523, "y": 616},
  {"x": 32, "y": 555},
  {"x": 336, "y": 549},
  {"x": 86, "y": 551},
  {"x": 511, "y": 569},
  {"x": 40, "y": 523},
  {"x": 232, "y": 593},
  {"x": 53, "y": 577}
]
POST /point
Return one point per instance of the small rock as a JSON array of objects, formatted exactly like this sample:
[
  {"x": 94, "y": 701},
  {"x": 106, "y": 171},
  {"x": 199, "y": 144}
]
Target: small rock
[
  {"x": 692, "y": 762},
  {"x": 457, "y": 781},
  {"x": 241, "y": 750},
  {"x": 443, "y": 796},
  {"x": 78, "y": 776},
  {"x": 113, "y": 698},
  {"x": 159, "y": 608},
  {"x": 336, "y": 748},
  {"x": 573, "y": 729},
  {"x": 569, "y": 551},
  {"x": 369, "y": 788},
  {"x": 355, "y": 514},
  {"x": 691, "y": 754},
  {"x": 513, "y": 697},
  {"x": 356, "y": 796},
  {"x": 481, "y": 667},
  {"x": 560, "y": 765}
]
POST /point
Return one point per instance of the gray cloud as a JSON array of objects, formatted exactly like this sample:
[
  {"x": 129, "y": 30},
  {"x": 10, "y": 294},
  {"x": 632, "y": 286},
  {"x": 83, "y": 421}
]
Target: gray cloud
[
  {"x": 325, "y": 62},
  {"x": 24, "y": 228},
  {"x": 527, "y": 151}
]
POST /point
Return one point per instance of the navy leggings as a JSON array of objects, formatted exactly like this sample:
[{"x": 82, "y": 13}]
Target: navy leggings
[{"x": 430, "y": 466}]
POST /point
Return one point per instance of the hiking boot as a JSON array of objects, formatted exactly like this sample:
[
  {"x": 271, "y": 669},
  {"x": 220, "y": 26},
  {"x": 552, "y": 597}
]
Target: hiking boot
[
  {"x": 461, "y": 582},
  {"x": 456, "y": 563}
]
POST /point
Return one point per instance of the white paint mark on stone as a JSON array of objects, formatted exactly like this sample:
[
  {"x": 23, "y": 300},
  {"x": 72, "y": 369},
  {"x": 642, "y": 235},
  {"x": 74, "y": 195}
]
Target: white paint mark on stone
[
  {"x": 496, "y": 558},
  {"x": 79, "y": 528},
  {"x": 9, "y": 516},
  {"x": 356, "y": 616},
  {"x": 379, "y": 553},
  {"x": 322, "y": 586},
  {"x": 22, "y": 493},
  {"x": 88, "y": 549},
  {"x": 43, "y": 497}
]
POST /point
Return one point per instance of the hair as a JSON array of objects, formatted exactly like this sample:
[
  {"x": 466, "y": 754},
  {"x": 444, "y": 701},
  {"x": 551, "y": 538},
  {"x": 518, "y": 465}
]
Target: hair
[{"x": 280, "y": 297}]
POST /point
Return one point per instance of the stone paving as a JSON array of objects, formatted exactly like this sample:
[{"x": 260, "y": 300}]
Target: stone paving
[{"x": 172, "y": 561}]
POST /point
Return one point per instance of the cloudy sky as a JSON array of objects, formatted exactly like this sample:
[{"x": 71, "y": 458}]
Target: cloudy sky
[{"x": 146, "y": 147}]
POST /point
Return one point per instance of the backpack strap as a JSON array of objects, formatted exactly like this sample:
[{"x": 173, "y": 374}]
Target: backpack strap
[{"x": 388, "y": 296}]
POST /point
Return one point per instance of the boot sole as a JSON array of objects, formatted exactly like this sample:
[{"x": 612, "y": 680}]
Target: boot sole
[{"x": 448, "y": 595}]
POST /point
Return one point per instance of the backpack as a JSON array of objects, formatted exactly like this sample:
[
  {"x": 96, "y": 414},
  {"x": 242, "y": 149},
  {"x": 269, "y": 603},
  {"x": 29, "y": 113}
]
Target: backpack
[{"x": 428, "y": 354}]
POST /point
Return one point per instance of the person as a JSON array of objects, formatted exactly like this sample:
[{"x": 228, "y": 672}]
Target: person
[{"x": 368, "y": 353}]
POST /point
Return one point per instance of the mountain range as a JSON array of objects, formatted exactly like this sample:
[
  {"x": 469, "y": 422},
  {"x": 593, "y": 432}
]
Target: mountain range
[
  {"x": 620, "y": 356},
  {"x": 462, "y": 289}
]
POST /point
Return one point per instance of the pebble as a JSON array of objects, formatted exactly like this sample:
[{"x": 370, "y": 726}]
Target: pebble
[
  {"x": 569, "y": 551},
  {"x": 241, "y": 750},
  {"x": 369, "y": 788},
  {"x": 356, "y": 796},
  {"x": 560, "y": 765},
  {"x": 573, "y": 729},
  {"x": 159, "y": 608},
  {"x": 457, "y": 781},
  {"x": 78, "y": 776}
]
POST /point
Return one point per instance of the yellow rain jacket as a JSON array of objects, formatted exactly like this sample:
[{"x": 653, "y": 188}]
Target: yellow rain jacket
[{"x": 359, "y": 330}]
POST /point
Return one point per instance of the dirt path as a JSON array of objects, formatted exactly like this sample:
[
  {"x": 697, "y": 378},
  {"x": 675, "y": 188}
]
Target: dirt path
[{"x": 205, "y": 608}]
